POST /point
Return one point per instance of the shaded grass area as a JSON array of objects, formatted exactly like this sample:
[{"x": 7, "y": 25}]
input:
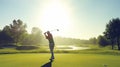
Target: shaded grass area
[{"x": 61, "y": 60}]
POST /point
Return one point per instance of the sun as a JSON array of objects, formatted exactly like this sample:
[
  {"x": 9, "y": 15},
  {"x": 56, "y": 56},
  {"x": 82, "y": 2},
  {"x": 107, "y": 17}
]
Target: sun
[{"x": 55, "y": 15}]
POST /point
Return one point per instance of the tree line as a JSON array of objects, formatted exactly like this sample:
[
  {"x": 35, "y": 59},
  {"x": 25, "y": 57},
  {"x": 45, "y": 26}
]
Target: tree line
[
  {"x": 111, "y": 35},
  {"x": 16, "y": 33}
]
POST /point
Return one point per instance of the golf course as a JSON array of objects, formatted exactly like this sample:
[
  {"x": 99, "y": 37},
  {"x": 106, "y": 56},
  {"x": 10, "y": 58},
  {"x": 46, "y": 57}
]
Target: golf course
[
  {"x": 61, "y": 60},
  {"x": 59, "y": 33}
]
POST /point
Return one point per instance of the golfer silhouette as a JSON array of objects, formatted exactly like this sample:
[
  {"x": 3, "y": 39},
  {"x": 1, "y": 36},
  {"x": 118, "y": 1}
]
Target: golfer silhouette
[{"x": 49, "y": 36}]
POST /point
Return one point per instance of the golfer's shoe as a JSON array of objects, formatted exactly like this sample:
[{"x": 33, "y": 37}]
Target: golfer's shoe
[{"x": 51, "y": 60}]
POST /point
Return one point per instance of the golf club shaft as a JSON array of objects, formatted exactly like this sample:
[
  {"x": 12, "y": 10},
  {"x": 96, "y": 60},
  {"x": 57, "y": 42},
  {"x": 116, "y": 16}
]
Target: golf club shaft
[{"x": 54, "y": 30}]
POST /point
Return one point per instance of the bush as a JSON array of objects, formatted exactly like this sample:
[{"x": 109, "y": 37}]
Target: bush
[{"x": 8, "y": 45}]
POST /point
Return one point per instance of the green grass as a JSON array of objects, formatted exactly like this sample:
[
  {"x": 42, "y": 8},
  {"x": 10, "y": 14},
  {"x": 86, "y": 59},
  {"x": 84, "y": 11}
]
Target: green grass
[
  {"x": 61, "y": 60},
  {"x": 94, "y": 57},
  {"x": 102, "y": 51}
]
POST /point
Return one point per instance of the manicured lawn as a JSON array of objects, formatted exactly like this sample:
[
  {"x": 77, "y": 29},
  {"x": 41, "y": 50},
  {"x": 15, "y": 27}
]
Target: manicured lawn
[{"x": 61, "y": 60}]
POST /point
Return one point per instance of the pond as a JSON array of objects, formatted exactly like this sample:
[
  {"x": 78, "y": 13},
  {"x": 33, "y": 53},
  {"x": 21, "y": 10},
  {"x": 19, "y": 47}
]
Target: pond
[{"x": 71, "y": 48}]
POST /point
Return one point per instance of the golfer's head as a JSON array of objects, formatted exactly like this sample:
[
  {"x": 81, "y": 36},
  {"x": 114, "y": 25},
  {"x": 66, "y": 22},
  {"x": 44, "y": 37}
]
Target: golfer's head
[{"x": 48, "y": 32}]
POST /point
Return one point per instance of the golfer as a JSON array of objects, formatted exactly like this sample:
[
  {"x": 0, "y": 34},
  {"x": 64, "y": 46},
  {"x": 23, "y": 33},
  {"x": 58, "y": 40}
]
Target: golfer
[{"x": 49, "y": 36}]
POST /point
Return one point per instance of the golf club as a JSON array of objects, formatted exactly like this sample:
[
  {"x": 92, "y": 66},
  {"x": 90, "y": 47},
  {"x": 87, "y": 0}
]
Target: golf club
[{"x": 53, "y": 30}]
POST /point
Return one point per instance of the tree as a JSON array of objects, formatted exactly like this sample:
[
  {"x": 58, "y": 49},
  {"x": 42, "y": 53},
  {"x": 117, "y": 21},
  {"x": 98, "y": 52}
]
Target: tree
[
  {"x": 93, "y": 40},
  {"x": 103, "y": 41},
  {"x": 34, "y": 38},
  {"x": 6, "y": 30},
  {"x": 5, "y": 35},
  {"x": 5, "y": 38},
  {"x": 36, "y": 35},
  {"x": 112, "y": 32},
  {"x": 17, "y": 30}
]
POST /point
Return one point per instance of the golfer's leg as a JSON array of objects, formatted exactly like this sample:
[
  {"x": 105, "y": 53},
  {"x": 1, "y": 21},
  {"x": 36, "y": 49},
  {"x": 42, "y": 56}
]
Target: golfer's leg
[
  {"x": 52, "y": 53},
  {"x": 51, "y": 46}
]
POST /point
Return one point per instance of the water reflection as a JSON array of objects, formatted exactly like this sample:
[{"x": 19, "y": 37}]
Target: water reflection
[{"x": 71, "y": 48}]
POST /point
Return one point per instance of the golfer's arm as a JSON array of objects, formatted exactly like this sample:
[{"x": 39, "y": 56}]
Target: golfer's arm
[{"x": 45, "y": 35}]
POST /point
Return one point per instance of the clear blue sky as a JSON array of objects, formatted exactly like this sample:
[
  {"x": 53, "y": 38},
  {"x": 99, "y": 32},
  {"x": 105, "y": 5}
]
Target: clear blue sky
[{"x": 89, "y": 17}]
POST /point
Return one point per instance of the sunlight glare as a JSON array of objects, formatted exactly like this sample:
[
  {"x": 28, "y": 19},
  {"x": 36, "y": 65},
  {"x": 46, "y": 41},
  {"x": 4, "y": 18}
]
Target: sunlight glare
[{"x": 55, "y": 15}]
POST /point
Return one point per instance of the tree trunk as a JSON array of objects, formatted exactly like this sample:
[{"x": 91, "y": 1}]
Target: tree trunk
[
  {"x": 118, "y": 47},
  {"x": 112, "y": 47},
  {"x": 118, "y": 43},
  {"x": 112, "y": 44}
]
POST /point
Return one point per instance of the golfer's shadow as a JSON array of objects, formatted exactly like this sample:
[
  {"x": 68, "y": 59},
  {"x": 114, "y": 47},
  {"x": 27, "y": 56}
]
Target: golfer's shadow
[{"x": 48, "y": 64}]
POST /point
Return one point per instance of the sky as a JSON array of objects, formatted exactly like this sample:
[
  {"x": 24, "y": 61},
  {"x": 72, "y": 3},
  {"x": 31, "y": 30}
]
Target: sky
[{"x": 81, "y": 19}]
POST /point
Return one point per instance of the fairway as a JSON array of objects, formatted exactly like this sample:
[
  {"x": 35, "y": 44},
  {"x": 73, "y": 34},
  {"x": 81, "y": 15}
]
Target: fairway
[{"x": 61, "y": 60}]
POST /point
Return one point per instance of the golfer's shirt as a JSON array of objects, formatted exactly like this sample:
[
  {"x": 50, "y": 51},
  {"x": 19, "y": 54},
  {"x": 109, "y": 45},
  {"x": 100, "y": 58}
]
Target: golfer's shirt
[{"x": 50, "y": 38}]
